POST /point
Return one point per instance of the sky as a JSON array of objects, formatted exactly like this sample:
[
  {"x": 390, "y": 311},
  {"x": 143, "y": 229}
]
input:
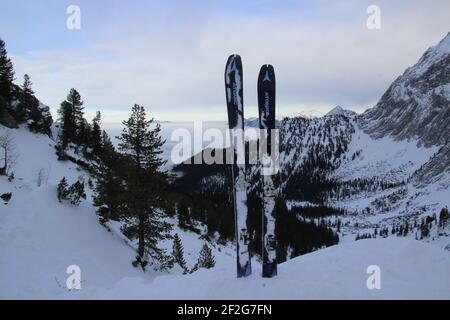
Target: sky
[{"x": 170, "y": 55}]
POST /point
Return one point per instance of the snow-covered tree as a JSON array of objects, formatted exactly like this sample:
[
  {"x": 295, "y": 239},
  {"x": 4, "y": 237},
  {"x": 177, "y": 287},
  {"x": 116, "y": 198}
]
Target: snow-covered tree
[
  {"x": 63, "y": 188},
  {"x": 205, "y": 259},
  {"x": 73, "y": 194},
  {"x": 444, "y": 218},
  {"x": 76, "y": 193}
]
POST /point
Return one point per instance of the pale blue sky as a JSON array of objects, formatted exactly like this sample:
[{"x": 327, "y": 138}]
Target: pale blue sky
[{"x": 170, "y": 55}]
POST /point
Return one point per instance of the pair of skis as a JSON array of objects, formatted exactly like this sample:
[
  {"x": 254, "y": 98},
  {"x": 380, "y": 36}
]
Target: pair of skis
[{"x": 235, "y": 105}]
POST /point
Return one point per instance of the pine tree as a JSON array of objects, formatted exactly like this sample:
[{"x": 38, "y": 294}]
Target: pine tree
[
  {"x": 76, "y": 193},
  {"x": 62, "y": 189},
  {"x": 424, "y": 230},
  {"x": 38, "y": 117},
  {"x": 205, "y": 259},
  {"x": 96, "y": 134},
  {"x": 6, "y": 73},
  {"x": 71, "y": 118},
  {"x": 27, "y": 101},
  {"x": 170, "y": 210},
  {"x": 146, "y": 184},
  {"x": 26, "y": 86},
  {"x": 73, "y": 194},
  {"x": 178, "y": 253},
  {"x": 109, "y": 188},
  {"x": 443, "y": 217},
  {"x": 184, "y": 218},
  {"x": 83, "y": 133},
  {"x": 406, "y": 230}
]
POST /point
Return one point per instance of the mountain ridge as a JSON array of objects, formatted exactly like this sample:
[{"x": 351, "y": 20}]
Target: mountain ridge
[{"x": 417, "y": 104}]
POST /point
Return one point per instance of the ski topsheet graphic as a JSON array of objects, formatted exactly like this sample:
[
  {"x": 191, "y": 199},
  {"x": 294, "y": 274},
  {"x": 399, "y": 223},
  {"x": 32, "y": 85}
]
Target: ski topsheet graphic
[
  {"x": 235, "y": 106},
  {"x": 266, "y": 106}
]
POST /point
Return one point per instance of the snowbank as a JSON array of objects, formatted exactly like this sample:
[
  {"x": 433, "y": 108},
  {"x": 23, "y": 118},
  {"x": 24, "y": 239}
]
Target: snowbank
[{"x": 409, "y": 270}]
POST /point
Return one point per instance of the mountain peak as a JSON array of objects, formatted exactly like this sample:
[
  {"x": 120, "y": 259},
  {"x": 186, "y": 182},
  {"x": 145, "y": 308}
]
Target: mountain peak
[
  {"x": 335, "y": 111},
  {"x": 338, "y": 110}
]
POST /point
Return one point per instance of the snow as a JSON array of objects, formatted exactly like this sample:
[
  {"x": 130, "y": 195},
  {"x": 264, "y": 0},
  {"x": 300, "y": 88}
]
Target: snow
[
  {"x": 40, "y": 238},
  {"x": 409, "y": 270},
  {"x": 388, "y": 159},
  {"x": 309, "y": 114},
  {"x": 395, "y": 162}
]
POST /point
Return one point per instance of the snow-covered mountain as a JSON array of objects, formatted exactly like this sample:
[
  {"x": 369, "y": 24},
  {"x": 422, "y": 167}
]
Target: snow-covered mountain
[
  {"x": 417, "y": 105},
  {"x": 338, "y": 110},
  {"x": 309, "y": 114},
  {"x": 385, "y": 168}
]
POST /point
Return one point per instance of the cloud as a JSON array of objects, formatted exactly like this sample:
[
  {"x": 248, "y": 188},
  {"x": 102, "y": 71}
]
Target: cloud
[{"x": 322, "y": 51}]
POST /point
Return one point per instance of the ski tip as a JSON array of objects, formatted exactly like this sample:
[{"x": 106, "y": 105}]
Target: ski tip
[
  {"x": 266, "y": 73},
  {"x": 262, "y": 72},
  {"x": 234, "y": 62},
  {"x": 233, "y": 57},
  {"x": 265, "y": 67}
]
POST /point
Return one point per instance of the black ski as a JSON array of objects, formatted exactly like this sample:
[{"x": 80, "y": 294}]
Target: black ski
[
  {"x": 235, "y": 106},
  {"x": 266, "y": 104}
]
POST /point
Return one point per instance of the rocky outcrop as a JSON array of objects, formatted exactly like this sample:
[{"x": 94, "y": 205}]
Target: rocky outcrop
[{"x": 436, "y": 169}]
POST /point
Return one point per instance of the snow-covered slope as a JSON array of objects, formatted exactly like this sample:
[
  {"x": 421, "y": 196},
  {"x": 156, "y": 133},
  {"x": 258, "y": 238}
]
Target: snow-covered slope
[
  {"x": 392, "y": 161},
  {"x": 40, "y": 237},
  {"x": 409, "y": 270},
  {"x": 309, "y": 114}
]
